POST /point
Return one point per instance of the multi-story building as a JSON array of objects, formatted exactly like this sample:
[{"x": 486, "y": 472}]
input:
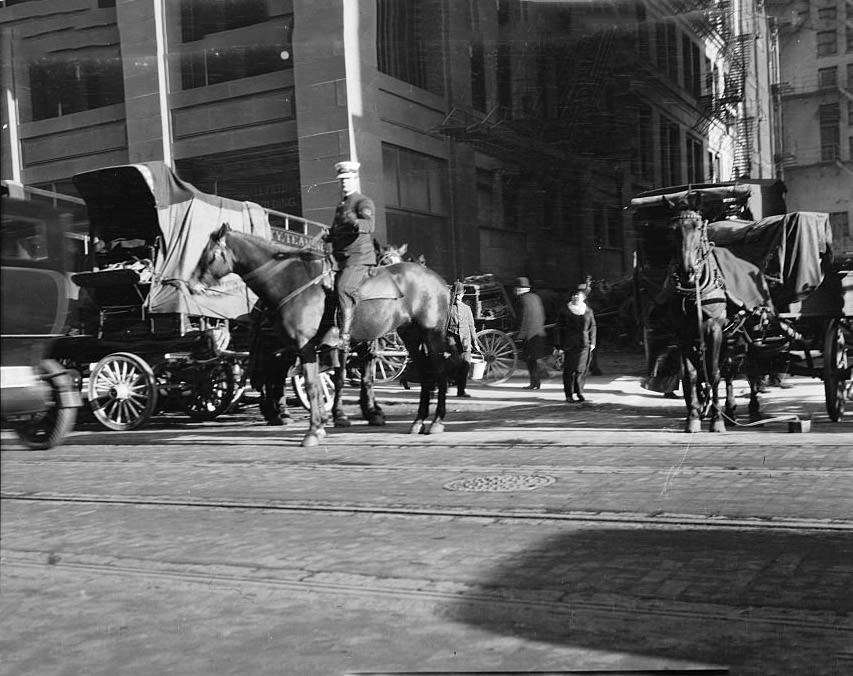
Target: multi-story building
[
  {"x": 502, "y": 137},
  {"x": 814, "y": 102}
]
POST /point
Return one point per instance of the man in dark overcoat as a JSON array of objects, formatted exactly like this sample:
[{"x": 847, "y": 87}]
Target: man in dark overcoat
[{"x": 351, "y": 240}]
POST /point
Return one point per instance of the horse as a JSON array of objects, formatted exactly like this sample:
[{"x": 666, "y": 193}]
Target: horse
[
  {"x": 294, "y": 284},
  {"x": 697, "y": 308},
  {"x": 390, "y": 254}
]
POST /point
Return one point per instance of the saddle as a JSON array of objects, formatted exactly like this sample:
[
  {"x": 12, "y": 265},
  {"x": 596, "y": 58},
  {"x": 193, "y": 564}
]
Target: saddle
[{"x": 379, "y": 285}]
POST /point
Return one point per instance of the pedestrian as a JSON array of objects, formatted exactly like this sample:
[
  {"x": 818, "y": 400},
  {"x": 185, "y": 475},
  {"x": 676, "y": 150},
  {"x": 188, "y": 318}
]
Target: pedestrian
[
  {"x": 462, "y": 338},
  {"x": 351, "y": 240},
  {"x": 576, "y": 333},
  {"x": 531, "y": 331}
]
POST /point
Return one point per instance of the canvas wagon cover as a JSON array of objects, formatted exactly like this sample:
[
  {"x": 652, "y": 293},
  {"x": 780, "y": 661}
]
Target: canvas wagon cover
[
  {"x": 148, "y": 200},
  {"x": 794, "y": 249}
]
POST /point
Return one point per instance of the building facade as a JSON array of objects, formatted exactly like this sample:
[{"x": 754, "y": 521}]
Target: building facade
[
  {"x": 503, "y": 137},
  {"x": 814, "y": 102}
]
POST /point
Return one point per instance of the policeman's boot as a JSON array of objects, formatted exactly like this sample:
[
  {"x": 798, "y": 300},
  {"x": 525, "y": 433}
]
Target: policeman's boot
[{"x": 346, "y": 325}]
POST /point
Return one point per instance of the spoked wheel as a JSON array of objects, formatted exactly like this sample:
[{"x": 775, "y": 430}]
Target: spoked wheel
[
  {"x": 836, "y": 367},
  {"x": 500, "y": 354},
  {"x": 391, "y": 355},
  {"x": 48, "y": 429},
  {"x": 327, "y": 389},
  {"x": 122, "y": 391},
  {"x": 212, "y": 392}
]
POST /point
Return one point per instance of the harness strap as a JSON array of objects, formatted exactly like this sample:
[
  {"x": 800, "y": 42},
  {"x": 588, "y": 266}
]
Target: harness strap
[{"x": 311, "y": 282}]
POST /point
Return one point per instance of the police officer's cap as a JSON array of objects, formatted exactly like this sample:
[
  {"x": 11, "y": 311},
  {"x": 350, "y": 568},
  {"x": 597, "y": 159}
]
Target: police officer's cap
[{"x": 347, "y": 169}]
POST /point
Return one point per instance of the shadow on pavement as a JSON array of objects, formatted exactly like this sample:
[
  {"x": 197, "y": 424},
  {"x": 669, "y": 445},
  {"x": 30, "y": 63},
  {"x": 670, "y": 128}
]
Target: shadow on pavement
[{"x": 761, "y": 603}]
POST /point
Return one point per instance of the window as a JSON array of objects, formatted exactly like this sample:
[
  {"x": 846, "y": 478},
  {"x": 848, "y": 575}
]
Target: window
[
  {"x": 252, "y": 49},
  {"x": 827, "y": 78},
  {"x": 670, "y": 146},
  {"x": 485, "y": 198},
  {"x": 692, "y": 66},
  {"x": 504, "y": 77},
  {"x": 827, "y": 14},
  {"x": 695, "y": 167},
  {"x": 849, "y": 35},
  {"x": 62, "y": 87},
  {"x": 416, "y": 205},
  {"x": 478, "y": 76},
  {"x": 667, "y": 49},
  {"x": 645, "y": 155},
  {"x": 24, "y": 239},
  {"x": 827, "y": 43},
  {"x": 829, "y": 132},
  {"x": 200, "y": 18},
  {"x": 850, "y": 148},
  {"x": 406, "y": 35},
  {"x": 511, "y": 200},
  {"x": 849, "y": 86},
  {"x": 713, "y": 167}
]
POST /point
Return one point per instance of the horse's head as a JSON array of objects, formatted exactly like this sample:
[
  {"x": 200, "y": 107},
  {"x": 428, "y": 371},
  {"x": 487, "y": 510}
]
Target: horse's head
[
  {"x": 216, "y": 261},
  {"x": 391, "y": 254},
  {"x": 689, "y": 229}
]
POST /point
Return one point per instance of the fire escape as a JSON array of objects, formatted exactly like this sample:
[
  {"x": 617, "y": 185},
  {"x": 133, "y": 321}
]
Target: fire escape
[{"x": 715, "y": 19}]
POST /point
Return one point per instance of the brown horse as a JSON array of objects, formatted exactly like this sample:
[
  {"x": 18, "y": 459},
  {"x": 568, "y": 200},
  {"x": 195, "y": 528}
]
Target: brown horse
[
  {"x": 405, "y": 297},
  {"x": 697, "y": 309}
]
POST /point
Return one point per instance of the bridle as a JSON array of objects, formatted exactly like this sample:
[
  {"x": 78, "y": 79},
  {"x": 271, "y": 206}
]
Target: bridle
[{"x": 707, "y": 276}]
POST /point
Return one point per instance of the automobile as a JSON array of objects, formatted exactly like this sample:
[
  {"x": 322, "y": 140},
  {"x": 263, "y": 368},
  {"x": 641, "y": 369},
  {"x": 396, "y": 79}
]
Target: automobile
[{"x": 38, "y": 397}]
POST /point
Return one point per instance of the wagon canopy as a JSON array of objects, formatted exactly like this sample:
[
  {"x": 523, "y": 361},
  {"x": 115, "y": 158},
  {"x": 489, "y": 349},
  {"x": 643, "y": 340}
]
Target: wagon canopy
[
  {"x": 792, "y": 250},
  {"x": 149, "y": 202}
]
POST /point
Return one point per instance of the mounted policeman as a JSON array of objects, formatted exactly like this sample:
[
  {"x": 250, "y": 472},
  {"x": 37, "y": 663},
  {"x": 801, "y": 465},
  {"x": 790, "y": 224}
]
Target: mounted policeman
[{"x": 351, "y": 240}]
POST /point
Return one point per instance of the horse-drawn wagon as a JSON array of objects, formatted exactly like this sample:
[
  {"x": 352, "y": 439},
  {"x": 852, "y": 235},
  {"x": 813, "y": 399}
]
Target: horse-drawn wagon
[
  {"x": 496, "y": 321},
  {"x": 147, "y": 343},
  {"x": 788, "y": 300}
]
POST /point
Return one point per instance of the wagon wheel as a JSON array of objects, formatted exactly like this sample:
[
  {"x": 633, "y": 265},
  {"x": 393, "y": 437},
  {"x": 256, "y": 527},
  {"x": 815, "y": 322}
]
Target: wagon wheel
[
  {"x": 48, "y": 429},
  {"x": 327, "y": 389},
  {"x": 500, "y": 354},
  {"x": 391, "y": 356},
  {"x": 122, "y": 391},
  {"x": 212, "y": 391},
  {"x": 836, "y": 368}
]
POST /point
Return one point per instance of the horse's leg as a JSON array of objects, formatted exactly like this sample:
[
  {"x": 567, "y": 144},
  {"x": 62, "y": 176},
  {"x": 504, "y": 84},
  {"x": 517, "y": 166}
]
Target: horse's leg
[
  {"x": 439, "y": 366},
  {"x": 339, "y": 375},
  {"x": 714, "y": 341},
  {"x": 688, "y": 384},
  {"x": 316, "y": 431},
  {"x": 754, "y": 403},
  {"x": 370, "y": 410}
]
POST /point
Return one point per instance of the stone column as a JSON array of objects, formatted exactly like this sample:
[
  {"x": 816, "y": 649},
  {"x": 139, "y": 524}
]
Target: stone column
[
  {"x": 337, "y": 117},
  {"x": 141, "y": 26}
]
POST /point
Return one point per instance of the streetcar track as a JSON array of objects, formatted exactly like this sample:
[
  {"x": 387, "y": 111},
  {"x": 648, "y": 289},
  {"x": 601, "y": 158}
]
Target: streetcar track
[
  {"x": 372, "y": 587},
  {"x": 767, "y": 471},
  {"x": 401, "y": 510}
]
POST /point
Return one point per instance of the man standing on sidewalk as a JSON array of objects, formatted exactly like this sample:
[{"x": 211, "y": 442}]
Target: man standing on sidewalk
[
  {"x": 576, "y": 335},
  {"x": 462, "y": 337},
  {"x": 532, "y": 330}
]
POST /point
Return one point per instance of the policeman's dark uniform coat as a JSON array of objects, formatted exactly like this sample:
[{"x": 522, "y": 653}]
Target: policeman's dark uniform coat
[{"x": 351, "y": 239}]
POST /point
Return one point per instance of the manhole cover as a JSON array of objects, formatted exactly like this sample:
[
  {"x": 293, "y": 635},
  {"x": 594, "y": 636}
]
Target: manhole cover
[{"x": 501, "y": 483}]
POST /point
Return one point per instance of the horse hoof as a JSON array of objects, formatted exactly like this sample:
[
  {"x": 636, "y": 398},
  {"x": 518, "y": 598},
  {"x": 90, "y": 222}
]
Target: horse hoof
[
  {"x": 437, "y": 427},
  {"x": 718, "y": 426},
  {"x": 377, "y": 420},
  {"x": 417, "y": 427},
  {"x": 276, "y": 422},
  {"x": 321, "y": 433},
  {"x": 310, "y": 439},
  {"x": 342, "y": 421},
  {"x": 692, "y": 427}
]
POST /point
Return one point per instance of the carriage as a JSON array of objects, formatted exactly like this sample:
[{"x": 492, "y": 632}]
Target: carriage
[
  {"x": 794, "y": 293},
  {"x": 495, "y": 321},
  {"x": 144, "y": 343},
  {"x": 38, "y": 397}
]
